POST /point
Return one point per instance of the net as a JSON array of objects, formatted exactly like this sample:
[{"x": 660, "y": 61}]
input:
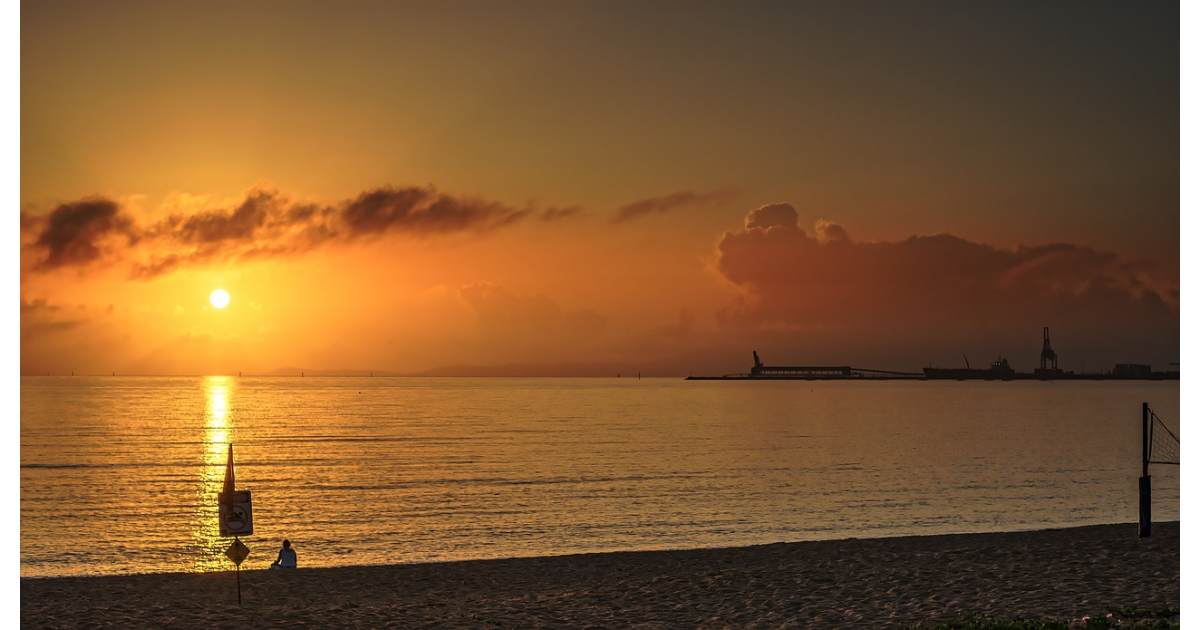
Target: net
[{"x": 1164, "y": 444}]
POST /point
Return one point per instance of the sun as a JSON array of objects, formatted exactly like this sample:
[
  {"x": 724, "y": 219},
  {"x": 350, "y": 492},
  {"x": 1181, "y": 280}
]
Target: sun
[{"x": 219, "y": 298}]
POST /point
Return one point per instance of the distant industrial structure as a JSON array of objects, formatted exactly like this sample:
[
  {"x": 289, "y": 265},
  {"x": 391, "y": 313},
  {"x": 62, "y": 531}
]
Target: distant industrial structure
[
  {"x": 1049, "y": 358},
  {"x": 999, "y": 369}
]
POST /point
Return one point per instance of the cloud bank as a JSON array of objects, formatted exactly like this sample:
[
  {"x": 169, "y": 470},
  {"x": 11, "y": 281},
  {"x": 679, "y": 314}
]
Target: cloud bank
[
  {"x": 921, "y": 292},
  {"x": 265, "y": 223},
  {"x": 97, "y": 230}
]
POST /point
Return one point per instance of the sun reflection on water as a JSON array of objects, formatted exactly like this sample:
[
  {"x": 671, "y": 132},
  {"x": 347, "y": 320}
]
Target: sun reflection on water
[{"x": 208, "y": 545}]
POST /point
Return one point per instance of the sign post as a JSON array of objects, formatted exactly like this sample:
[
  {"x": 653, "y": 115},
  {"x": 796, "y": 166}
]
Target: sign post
[
  {"x": 238, "y": 552},
  {"x": 236, "y": 519}
]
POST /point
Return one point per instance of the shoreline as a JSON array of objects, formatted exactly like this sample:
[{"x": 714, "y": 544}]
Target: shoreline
[
  {"x": 1047, "y": 574},
  {"x": 617, "y": 552}
]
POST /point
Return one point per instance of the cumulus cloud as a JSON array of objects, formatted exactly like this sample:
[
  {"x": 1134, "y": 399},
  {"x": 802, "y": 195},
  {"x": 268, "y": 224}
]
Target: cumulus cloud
[
  {"x": 264, "y": 224},
  {"x": 780, "y": 215},
  {"x": 830, "y": 232},
  {"x": 926, "y": 290},
  {"x": 667, "y": 203}
]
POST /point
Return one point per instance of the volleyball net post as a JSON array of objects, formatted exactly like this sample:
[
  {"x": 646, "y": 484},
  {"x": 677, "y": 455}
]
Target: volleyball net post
[
  {"x": 1144, "y": 480},
  {"x": 1160, "y": 445}
]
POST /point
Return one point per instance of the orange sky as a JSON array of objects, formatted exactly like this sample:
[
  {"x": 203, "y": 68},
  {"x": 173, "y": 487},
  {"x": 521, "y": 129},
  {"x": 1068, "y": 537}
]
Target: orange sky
[{"x": 588, "y": 188}]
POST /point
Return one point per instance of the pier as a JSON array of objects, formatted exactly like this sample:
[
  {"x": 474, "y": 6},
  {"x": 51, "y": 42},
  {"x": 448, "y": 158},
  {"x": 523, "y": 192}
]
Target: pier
[{"x": 999, "y": 370}]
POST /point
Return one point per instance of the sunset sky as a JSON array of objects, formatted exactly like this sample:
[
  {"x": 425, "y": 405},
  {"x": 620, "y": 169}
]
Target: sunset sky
[{"x": 592, "y": 188}]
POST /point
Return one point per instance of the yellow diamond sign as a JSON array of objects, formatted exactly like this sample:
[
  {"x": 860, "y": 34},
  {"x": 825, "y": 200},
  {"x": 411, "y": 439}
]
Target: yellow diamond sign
[{"x": 237, "y": 552}]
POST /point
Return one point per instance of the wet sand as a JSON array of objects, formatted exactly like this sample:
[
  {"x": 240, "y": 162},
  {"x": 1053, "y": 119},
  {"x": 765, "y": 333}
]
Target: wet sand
[{"x": 1050, "y": 574}]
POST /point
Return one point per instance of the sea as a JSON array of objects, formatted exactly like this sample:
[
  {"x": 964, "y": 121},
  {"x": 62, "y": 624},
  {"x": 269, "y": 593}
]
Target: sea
[{"x": 120, "y": 474}]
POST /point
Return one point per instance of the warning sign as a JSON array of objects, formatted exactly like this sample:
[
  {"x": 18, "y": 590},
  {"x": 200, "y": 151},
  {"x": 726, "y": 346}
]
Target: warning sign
[
  {"x": 237, "y": 552},
  {"x": 237, "y": 518}
]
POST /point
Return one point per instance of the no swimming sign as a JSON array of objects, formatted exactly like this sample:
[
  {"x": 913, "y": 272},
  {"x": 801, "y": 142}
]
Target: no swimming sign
[{"x": 236, "y": 514}]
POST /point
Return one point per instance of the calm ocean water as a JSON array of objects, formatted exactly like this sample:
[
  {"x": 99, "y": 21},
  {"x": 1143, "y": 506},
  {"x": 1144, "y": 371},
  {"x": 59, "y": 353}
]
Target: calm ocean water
[{"x": 120, "y": 475}]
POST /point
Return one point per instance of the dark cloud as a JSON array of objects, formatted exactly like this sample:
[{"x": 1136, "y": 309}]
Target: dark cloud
[
  {"x": 74, "y": 234},
  {"x": 423, "y": 211},
  {"x": 925, "y": 291},
  {"x": 666, "y": 203},
  {"x": 264, "y": 224},
  {"x": 238, "y": 224}
]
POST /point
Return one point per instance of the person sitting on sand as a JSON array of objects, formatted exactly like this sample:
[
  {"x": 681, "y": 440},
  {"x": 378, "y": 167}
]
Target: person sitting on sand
[{"x": 287, "y": 557}]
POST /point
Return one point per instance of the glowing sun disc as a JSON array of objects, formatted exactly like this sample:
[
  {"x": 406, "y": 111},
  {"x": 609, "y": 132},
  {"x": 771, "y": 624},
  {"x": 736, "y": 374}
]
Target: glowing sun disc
[{"x": 219, "y": 298}]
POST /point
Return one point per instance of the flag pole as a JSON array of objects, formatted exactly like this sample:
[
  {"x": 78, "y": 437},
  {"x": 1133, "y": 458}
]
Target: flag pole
[{"x": 229, "y": 484}]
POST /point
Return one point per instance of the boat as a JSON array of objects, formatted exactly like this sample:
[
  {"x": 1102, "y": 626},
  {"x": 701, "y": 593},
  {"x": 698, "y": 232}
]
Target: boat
[{"x": 998, "y": 370}]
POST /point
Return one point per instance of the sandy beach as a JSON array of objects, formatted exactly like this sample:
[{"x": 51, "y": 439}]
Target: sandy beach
[{"x": 1058, "y": 574}]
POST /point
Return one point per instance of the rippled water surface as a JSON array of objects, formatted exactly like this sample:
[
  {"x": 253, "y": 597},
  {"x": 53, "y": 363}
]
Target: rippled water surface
[{"x": 121, "y": 474}]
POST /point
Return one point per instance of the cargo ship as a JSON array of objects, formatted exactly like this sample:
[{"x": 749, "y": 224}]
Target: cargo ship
[{"x": 999, "y": 370}]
